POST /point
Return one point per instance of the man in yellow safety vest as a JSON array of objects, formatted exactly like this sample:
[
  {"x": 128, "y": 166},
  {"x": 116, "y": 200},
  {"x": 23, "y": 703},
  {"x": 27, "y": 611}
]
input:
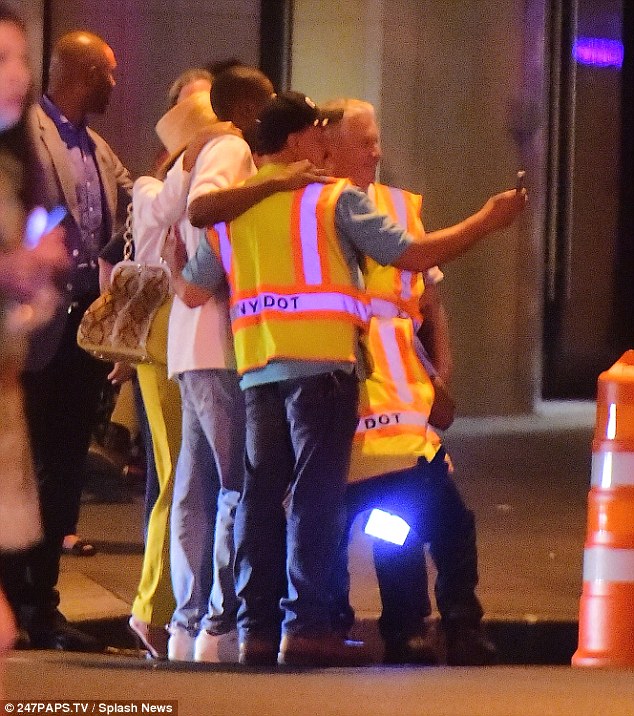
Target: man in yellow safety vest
[{"x": 396, "y": 401}]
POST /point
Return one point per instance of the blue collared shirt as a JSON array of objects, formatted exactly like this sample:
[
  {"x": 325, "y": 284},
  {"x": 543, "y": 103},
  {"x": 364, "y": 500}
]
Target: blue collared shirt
[{"x": 81, "y": 152}]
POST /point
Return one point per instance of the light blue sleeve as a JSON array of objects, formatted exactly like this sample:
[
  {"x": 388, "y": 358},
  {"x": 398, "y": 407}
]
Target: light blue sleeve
[
  {"x": 371, "y": 233},
  {"x": 204, "y": 268}
]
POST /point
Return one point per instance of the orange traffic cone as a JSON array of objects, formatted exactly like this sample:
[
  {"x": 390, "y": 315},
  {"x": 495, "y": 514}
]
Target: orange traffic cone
[{"x": 606, "y": 609}]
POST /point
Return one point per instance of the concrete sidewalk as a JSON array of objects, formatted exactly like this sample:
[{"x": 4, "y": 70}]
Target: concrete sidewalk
[{"x": 527, "y": 480}]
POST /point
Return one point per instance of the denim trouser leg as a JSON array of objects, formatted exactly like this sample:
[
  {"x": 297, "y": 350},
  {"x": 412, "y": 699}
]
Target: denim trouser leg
[
  {"x": 401, "y": 570},
  {"x": 208, "y": 494},
  {"x": 223, "y": 602},
  {"x": 322, "y": 415},
  {"x": 299, "y": 435},
  {"x": 341, "y": 611},
  {"x": 401, "y": 573},
  {"x": 260, "y": 527},
  {"x": 196, "y": 487}
]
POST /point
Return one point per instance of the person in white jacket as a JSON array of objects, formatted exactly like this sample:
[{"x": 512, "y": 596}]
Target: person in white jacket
[
  {"x": 158, "y": 205},
  {"x": 209, "y": 472}
]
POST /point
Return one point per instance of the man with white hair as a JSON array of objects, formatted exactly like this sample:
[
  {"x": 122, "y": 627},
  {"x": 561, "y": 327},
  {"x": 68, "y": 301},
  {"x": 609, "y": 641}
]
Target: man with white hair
[{"x": 425, "y": 494}]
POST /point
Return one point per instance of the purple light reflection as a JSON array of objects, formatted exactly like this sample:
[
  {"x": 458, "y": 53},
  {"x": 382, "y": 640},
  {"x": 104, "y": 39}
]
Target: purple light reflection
[{"x": 598, "y": 51}]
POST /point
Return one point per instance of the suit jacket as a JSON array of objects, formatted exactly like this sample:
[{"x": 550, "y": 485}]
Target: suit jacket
[{"x": 117, "y": 188}]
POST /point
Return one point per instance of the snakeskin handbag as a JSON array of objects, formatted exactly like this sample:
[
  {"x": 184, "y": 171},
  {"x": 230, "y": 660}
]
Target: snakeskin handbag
[{"x": 117, "y": 326}]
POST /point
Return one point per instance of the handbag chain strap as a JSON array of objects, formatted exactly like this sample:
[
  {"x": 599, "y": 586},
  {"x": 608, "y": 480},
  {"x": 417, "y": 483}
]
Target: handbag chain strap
[{"x": 127, "y": 235}]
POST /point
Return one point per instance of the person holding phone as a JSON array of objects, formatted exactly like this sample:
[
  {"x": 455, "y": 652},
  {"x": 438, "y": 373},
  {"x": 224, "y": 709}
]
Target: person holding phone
[
  {"x": 23, "y": 272},
  {"x": 62, "y": 384},
  {"x": 418, "y": 484}
]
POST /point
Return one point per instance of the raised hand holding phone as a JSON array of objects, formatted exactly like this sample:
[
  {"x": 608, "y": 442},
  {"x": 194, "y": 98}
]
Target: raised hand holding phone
[{"x": 520, "y": 180}]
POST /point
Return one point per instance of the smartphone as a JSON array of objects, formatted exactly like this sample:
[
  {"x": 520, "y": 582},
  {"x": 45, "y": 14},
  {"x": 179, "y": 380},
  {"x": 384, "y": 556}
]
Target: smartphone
[
  {"x": 520, "y": 180},
  {"x": 40, "y": 222}
]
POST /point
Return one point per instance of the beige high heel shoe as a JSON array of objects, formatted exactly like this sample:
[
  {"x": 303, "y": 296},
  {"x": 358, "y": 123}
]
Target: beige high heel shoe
[{"x": 152, "y": 639}]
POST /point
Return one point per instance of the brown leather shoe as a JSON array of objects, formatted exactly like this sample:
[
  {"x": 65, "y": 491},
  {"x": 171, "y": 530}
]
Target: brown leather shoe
[
  {"x": 324, "y": 650},
  {"x": 256, "y": 651}
]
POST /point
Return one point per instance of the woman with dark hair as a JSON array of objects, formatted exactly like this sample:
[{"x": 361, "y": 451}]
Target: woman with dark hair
[{"x": 24, "y": 274}]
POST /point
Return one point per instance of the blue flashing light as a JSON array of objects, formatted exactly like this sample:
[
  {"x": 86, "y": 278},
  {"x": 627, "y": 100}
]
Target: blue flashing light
[
  {"x": 387, "y": 527},
  {"x": 598, "y": 52}
]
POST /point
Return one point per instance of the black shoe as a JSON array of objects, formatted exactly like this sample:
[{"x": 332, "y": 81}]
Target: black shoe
[
  {"x": 62, "y": 636},
  {"x": 469, "y": 646},
  {"x": 420, "y": 648}
]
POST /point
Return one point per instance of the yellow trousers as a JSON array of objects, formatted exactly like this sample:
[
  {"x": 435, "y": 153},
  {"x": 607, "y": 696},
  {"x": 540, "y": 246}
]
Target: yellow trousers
[{"x": 154, "y": 601}]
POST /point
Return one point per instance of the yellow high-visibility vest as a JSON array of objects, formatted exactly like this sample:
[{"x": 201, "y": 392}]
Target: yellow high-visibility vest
[
  {"x": 394, "y": 291},
  {"x": 292, "y": 296},
  {"x": 396, "y": 398}
]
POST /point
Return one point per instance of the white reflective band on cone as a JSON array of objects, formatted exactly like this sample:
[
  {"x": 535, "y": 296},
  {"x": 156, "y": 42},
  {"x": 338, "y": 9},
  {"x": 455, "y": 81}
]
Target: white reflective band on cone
[
  {"x": 608, "y": 565},
  {"x": 612, "y": 469}
]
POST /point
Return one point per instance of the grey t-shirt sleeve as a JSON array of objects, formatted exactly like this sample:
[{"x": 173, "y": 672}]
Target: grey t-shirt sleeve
[
  {"x": 204, "y": 268},
  {"x": 371, "y": 233}
]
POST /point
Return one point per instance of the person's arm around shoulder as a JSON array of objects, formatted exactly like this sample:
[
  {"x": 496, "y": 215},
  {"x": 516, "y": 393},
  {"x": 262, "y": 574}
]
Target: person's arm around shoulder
[
  {"x": 222, "y": 163},
  {"x": 229, "y": 203}
]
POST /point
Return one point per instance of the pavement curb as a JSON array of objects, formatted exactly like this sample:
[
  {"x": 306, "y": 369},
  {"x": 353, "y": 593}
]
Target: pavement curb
[{"x": 526, "y": 643}]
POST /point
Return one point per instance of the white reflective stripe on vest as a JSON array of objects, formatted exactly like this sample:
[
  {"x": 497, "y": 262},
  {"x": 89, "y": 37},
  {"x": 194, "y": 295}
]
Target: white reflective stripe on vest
[
  {"x": 382, "y": 308},
  {"x": 296, "y": 302},
  {"x": 225, "y": 246},
  {"x": 612, "y": 469},
  {"x": 400, "y": 209},
  {"x": 393, "y": 356},
  {"x": 406, "y": 284},
  {"x": 391, "y": 418},
  {"x": 606, "y": 564},
  {"x": 311, "y": 260}
]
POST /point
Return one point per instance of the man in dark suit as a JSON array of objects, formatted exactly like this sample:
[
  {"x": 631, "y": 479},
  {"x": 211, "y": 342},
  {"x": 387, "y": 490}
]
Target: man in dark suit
[{"x": 62, "y": 383}]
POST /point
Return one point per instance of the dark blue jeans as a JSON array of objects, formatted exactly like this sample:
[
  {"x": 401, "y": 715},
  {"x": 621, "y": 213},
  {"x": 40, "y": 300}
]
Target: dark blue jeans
[
  {"x": 298, "y": 441},
  {"x": 427, "y": 498}
]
